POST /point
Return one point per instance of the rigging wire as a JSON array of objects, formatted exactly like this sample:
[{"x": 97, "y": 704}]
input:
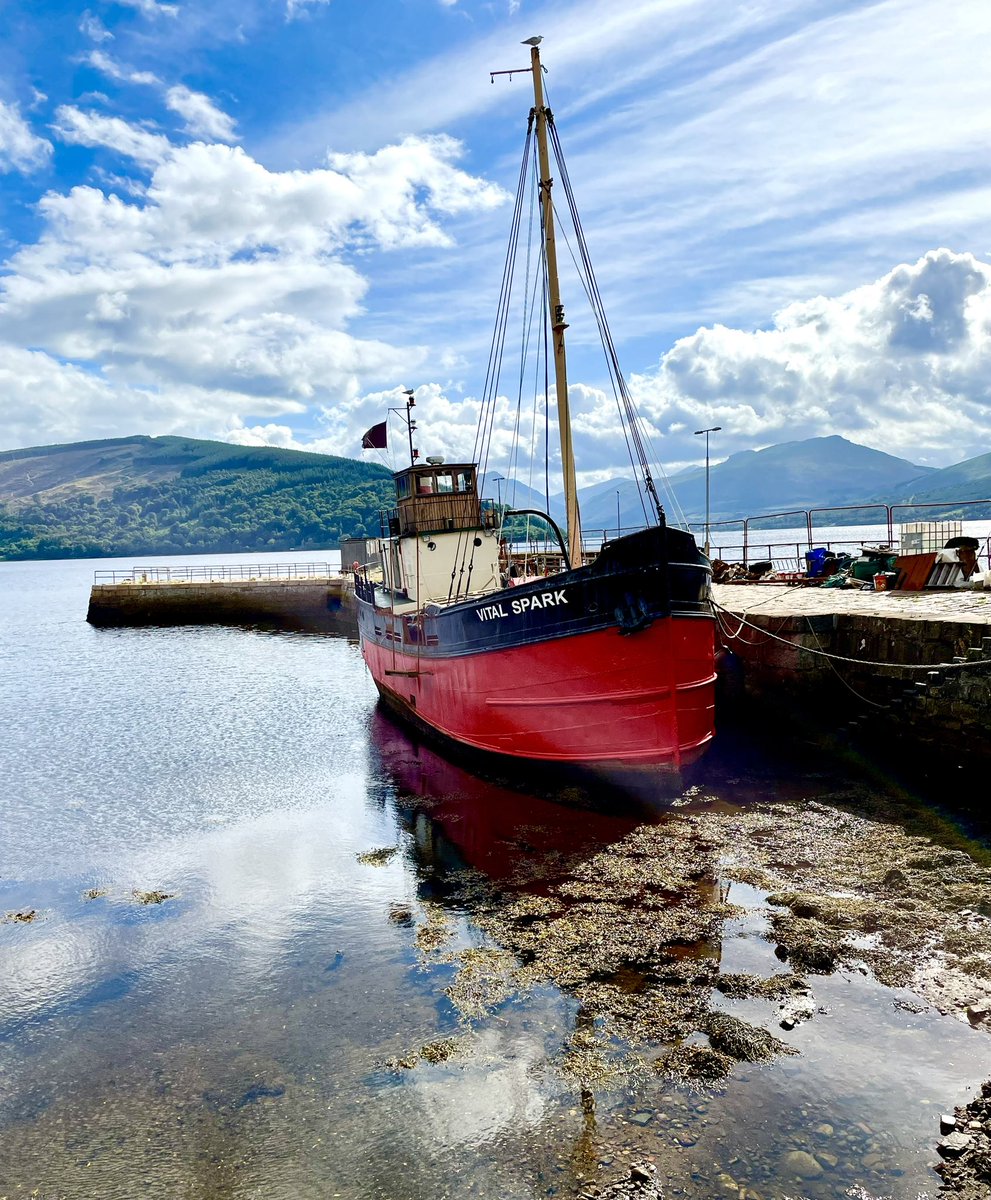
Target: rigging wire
[
  {"x": 483, "y": 433},
  {"x": 629, "y": 407}
]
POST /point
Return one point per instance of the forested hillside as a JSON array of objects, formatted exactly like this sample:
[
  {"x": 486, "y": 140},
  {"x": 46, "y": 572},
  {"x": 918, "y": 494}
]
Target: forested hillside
[{"x": 169, "y": 495}]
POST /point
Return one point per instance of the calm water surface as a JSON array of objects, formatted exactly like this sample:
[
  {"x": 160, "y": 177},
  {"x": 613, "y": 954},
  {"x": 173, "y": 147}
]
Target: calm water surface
[{"x": 235, "y": 1039}]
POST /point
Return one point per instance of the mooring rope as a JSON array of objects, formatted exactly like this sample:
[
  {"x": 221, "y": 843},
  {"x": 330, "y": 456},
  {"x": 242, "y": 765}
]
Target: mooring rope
[{"x": 860, "y": 662}]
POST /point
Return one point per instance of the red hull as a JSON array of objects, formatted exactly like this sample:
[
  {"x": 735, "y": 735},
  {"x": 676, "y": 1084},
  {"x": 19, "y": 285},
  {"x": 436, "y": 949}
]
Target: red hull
[{"x": 595, "y": 699}]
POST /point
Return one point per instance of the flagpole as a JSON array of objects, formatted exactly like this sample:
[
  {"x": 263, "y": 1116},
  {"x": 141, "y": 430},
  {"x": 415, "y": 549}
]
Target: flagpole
[{"x": 410, "y": 424}]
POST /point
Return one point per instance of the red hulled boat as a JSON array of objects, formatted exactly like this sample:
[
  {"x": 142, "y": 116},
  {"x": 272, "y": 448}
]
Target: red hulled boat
[{"x": 605, "y": 664}]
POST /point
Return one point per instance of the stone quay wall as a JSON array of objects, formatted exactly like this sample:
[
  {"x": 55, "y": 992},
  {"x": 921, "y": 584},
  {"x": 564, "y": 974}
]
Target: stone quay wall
[
  {"x": 310, "y": 603},
  {"x": 910, "y": 670}
]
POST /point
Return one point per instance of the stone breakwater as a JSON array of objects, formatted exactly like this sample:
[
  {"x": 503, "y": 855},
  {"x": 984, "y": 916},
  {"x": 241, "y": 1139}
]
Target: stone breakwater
[
  {"x": 883, "y": 667},
  {"x": 311, "y": 603}
]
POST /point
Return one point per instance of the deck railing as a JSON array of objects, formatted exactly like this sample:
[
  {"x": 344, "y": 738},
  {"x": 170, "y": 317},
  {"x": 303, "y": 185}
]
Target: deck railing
[{"x": 228, "y": 572}]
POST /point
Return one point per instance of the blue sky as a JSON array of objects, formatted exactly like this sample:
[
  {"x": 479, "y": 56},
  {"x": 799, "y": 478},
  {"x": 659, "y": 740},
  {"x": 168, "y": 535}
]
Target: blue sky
[{"x": 257, "y": 222}]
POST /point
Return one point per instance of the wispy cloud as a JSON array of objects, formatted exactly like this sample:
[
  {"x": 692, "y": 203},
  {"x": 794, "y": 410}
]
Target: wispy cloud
[
  {"x": 113, "y": 70},
  {"x": 94, "y": 28},
  {"x": 20, "y": 147},
  {"x": 202, "y": 117},
  {"x": 150, "y": 8},
  {"x": 93, "y": 129},
  {"x": 298, "y": 8}
]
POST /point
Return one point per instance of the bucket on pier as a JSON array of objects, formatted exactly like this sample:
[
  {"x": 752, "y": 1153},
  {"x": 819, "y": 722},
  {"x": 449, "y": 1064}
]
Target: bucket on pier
[{"x": 885, "y": 581}]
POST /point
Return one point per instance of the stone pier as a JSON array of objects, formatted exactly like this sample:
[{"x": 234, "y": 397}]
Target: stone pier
[
  {"x": 895, "y": 669},
  {"x": 309, "y": 603}
]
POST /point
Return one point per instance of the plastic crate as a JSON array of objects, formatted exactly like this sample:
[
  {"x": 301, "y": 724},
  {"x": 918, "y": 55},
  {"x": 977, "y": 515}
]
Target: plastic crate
[{"x": 923, "y": 537}]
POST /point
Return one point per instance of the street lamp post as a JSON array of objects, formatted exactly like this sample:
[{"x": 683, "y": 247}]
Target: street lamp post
[
  {"x": 498, "y": 480},
  {"x": 698, "y": 432},
  {"x": 619, "y": 528}
]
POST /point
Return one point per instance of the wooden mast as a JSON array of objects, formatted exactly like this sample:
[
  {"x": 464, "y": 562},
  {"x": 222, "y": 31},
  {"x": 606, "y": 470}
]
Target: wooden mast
[{"x": 558, "y": 323}]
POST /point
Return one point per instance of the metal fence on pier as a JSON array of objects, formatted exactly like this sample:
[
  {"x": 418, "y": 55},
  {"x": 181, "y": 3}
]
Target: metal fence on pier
[
  {"x": 228, "y": 572},
  {"x": 752, "y": 543}
]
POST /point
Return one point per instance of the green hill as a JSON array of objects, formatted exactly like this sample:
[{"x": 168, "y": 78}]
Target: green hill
[{"x": 173, "y": 495}]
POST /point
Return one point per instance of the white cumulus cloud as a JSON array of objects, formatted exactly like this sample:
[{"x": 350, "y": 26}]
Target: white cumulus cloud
[
  {"x": 219, "y": 297},
  {"x": 902, "y": 364}
]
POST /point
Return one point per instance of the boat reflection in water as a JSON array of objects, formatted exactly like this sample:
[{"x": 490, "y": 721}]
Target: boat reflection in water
[
  {"x": 622, "y": 873},
  {"x": 460, "y": 818}
]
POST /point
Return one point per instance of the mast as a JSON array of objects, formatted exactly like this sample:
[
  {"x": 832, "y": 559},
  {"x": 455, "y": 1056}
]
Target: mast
[{"x": 558, "y": 323}]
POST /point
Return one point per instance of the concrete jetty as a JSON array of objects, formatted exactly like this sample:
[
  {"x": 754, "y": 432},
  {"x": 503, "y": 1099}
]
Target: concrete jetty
[
  {"x": 898, "y": 668},
  {"x": 305, "y": 596}
]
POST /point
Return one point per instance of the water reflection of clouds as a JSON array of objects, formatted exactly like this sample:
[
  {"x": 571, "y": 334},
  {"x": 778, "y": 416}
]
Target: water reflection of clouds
[
  {"x": 244, "y": 893},
  {"x": 502, "y": 1086}
]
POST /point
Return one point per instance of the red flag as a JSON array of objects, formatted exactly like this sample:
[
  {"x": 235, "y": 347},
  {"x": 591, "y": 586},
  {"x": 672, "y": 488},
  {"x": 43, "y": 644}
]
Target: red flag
[{"x": 374, "y": 439}]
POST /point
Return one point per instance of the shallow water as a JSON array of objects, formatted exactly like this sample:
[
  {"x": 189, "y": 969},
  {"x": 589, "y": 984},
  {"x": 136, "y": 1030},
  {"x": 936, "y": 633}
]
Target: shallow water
[{"x": 235, "y": 1039}]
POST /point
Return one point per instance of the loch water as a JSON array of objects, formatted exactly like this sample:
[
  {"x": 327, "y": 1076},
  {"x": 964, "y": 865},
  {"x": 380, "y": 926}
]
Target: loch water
[{"x": 276, "y": 1018}]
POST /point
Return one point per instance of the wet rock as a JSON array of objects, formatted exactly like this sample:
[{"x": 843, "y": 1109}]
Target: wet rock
[
  {"x": 947, "y": 1123},
  {"x": 727, "y": 1186},
  {"x": 775, "y": 987},
  {"x": 405, "y": 1062},
  {"x": 800, "y": 1165},
  {"x": 260, "y": 1091},
  {"x": 978, "y": 1011},
  {"x": 954, "y": 1144},
  {"x": 640, "y": 1184},
  {"x": 401, "y": 914},
  {"x": 808, "y": 945}
]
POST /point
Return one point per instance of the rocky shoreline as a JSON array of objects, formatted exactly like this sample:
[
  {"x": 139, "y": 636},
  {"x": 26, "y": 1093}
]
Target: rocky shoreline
[
  {"x": 624, "y": 931},
  {"x": 965, "y": 1169}
]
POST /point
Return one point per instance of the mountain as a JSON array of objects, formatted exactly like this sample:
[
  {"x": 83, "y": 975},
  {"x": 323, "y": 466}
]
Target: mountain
[
  {"x": 515, "y": 494},
  {"x": 174, "y": 495},
  {"x": 968, "y": 480},
  {"x": 815, "y": 473}
]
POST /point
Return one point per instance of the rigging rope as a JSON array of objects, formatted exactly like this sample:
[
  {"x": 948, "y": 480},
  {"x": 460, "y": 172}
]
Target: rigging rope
[{"x": 860, "y": 662}]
